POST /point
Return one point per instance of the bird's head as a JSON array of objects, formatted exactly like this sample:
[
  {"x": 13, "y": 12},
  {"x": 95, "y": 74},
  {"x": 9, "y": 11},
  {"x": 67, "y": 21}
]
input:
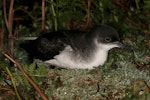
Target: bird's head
[{"x": 107, "y": 38}]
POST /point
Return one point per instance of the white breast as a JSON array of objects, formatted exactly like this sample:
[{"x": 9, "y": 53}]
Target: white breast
[{"x": 66, "y": 59}]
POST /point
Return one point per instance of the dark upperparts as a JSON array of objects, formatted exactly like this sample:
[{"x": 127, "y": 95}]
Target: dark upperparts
[{"x": 49, "y": 44}]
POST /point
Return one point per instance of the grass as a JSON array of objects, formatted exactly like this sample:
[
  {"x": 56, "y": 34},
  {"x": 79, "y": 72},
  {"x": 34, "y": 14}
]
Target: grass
[{"x": 125, "y": 76}]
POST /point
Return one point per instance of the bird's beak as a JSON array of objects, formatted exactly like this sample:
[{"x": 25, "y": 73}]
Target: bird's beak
[{"x": 125, "y": 46}]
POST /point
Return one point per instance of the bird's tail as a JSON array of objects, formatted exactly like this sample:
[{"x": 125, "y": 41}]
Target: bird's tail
[{"x": 27, "y": 46}]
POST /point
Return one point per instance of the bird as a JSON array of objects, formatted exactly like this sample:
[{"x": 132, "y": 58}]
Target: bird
[{"x": 73, "y": 48}]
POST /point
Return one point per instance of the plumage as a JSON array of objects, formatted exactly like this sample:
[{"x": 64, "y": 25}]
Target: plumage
[{"x": 74, "y": 49}]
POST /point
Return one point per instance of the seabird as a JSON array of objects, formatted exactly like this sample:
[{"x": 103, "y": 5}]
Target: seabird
[{"x": 74, "y": 49}]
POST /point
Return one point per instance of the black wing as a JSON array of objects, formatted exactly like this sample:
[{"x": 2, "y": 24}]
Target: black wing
[{"x": 48, "y": 45}]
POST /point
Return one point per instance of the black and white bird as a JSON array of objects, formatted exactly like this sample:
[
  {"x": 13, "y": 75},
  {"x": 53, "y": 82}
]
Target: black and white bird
[{"x": 74, "y": 49}]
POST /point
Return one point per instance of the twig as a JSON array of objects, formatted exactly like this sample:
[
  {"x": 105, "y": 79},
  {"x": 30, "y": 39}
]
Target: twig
[
  {"x": 24, "y": 10},
  {"x": 6, "y": 89},
  {"x": 9, "y": 23},
  {"x": 43, "y": 14},
  {"x": 10, "y": 18},
  {"x": 5, "y": 14},
  {"x": 88, "y": 15},
  {"x": 148, "y": 87},
  {"x": 1, "y": 38},
  {"x": 133, "y": 23},
  {"x": 26, "y": 75}
]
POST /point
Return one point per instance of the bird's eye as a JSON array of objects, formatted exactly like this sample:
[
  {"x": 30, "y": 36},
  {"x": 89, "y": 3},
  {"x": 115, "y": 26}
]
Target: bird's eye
[{"x": 107, "y": 39}]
